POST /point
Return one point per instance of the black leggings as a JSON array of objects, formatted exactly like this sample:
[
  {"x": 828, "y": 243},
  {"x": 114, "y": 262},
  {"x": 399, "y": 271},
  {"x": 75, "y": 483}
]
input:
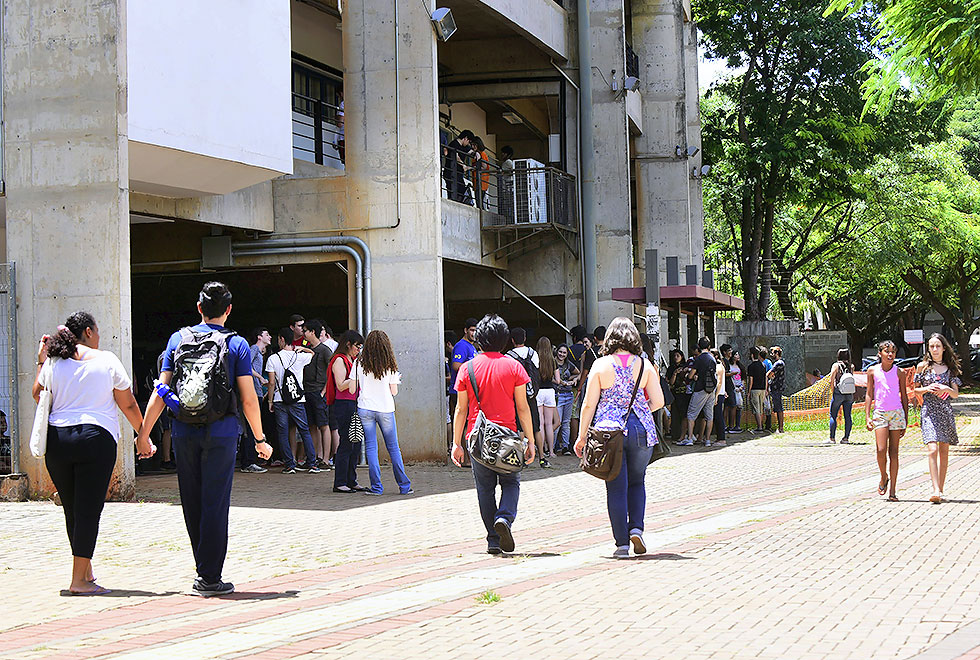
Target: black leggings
[{"x": 80, "y": 461}]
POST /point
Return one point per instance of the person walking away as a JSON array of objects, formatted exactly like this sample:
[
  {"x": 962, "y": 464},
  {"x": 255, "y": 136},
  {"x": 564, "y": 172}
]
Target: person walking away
[
  {"x": 721, "y": 395},
  {"x": 502, "y": 383},
  {"x": 546, "y": 402},
  {"x": 777, "y": 383},
  {"x": 288, "y": 401},
  {"x": 842, "y": 376},
  {"x": 87, "y": 386},
  {"x": 529, "y": 359},
  {"x": 886, "y": 388},
  {"x": 315, "y": 386},
  {"x": 567, "y": 375},
  {"x": 205, "y": 438},
  {"x": 607, "y": 403},
  {"x": 342, "y": 399},
  {"x": 758, "y": 387},
  {"x": 377, "y": 383},
  {"x": 937, "y": 380},
  {"x": 705, "y": 381}
]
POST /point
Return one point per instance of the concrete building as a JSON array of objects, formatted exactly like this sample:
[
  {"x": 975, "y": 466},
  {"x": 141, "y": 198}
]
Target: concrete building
[{"x": 296, "y": 149}]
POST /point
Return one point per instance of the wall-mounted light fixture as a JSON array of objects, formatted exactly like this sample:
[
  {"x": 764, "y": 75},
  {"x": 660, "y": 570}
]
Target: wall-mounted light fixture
[
  {"x": 444, "y": 23},
  {"x": 700, "y": 172},
  {"x": 685, "y": 152}
]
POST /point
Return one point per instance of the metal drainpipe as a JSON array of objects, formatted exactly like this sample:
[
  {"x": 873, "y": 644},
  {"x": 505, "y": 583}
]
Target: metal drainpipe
[
  {"x": 256, "y": 251},
  {"x": 322, "y": 240},
  {"x": 591, "y": 292}
]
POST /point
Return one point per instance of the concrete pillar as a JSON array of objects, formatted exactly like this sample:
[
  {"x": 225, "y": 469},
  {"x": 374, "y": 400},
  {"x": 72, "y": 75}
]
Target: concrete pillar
[
  {"x": 66, "y": 170},
  {"x": 407, "y": 270},
  {"x": 693, "y": 117},
  {"x": 664, "y": 203},
  {"x": 614, "y": 243}
]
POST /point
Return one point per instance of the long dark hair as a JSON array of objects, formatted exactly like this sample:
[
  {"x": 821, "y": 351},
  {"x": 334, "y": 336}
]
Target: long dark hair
[
  {"x": 377, "y": 355},
  {"x": 348, "y": 339},
  {"x": 64, "y": 343},
  {"x": 950, "y": 359}
]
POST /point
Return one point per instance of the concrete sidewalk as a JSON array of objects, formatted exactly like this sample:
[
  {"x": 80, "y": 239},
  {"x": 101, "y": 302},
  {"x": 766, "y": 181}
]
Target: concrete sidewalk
[{"x": 762, "y": 549}]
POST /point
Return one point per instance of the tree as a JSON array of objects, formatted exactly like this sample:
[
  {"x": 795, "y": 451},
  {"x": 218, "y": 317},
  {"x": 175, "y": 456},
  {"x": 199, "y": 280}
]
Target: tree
[
  {"x": 788, "y": 131},
  {"x": 965, "y": 126},
  {"x": 932, "y": 48}
]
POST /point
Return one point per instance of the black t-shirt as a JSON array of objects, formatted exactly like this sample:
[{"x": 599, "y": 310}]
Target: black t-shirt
[
  {"x": 588, "y": 359},
  {"x": 454, "y": 149},
  {"x": 703, "y": 364},
  {"x": 576, "y": 351},
  {"x": 757, "y": 372},
  {"x": 729, "y": 382},
  {"x": 315, "y": 373}
]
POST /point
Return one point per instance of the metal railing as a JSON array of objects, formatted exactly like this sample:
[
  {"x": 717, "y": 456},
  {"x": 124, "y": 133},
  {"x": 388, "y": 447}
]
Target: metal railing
[
  {"x": 632, "y": 62},
  {"x": 317, "y": 133},
  {"x": 522, "y": 193},
  {"x": 9, "y": 431}
]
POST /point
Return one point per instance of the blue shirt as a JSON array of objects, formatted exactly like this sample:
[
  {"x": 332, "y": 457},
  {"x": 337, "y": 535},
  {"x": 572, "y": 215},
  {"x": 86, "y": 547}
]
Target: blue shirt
[
  {"x": 240, "y": 364},
  {"x": 463, "y": 352}
]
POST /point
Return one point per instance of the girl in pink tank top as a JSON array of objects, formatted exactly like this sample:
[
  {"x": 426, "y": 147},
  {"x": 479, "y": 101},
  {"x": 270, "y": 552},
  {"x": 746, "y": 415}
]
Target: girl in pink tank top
[{"x": 886, "y": 388}]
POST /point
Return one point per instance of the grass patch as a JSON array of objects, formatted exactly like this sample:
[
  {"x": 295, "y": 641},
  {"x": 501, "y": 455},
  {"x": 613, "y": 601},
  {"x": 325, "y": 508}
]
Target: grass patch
[{"x": 488, "y": 597}]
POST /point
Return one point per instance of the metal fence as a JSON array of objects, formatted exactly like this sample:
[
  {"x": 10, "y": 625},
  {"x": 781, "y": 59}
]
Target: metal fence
[
  {"x": 9, "y": 432},
  {"x": 317, "y": 135},
  {"x": 632, "y": 62}
]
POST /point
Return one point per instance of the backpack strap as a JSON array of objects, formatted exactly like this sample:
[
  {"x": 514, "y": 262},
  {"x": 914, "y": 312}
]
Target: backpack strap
[
  {"x": 476, "y": 390},
  {"x": 636, "y": 388}
]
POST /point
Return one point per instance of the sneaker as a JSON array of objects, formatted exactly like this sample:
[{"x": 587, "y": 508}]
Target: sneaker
[
  {"x": 302, "y": 467},
  {"x": 622, "y": 552},
  {"x": 545, "y": 463},
  {"x": 314, "y": 470},
  {"x": 276, "y": 463},
  {"x": 289, "y": 470},
  {"x": 707, "y": 442},
  {"x": 566, "y": 452},
  {"x": 502, "y": 527},
  {"x": 685, "y": 442},
  {"x": 410, "y": 491},
  {"x": 320, "y": 464},
  {"x": 636, "y": 538},
  {"x": 202, "y": 588},
  {"x": 493, "y": 550},
  {"x": 371, "y": 492},
  {"x": 758, "y": 431},
  {"x": 733, "y": 431},
  {"x": 253, "y": 469}
]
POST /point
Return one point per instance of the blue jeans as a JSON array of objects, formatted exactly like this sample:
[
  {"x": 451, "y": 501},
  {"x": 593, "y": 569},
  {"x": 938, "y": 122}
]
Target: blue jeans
[
  {"x": 205, "y": 468},
  {"x": 297, "y": 413},
  {"x": 839, "y": 400},
  {"x": 565, "y": 401},
  {"x": 486, "y": 494},
  {"x": 371, "y": 420},
  {"x": 626, "y": 495}
]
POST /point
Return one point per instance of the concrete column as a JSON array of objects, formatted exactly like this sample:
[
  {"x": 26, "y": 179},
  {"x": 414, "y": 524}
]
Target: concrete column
[
  {"x": 67, "y": 171},
  {"x": 407, "y": 272},
  {"x": 664, "y": 203},
  {"x": 693, "y": 116},
  {"x": 614, "y": 243}
]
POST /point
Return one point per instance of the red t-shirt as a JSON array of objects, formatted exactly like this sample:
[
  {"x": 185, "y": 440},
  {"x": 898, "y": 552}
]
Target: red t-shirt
[{"x": 497, "y": 376}]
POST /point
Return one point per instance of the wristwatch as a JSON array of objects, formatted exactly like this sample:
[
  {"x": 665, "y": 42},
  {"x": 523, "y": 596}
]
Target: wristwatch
[{"x": 259, "y": 442}]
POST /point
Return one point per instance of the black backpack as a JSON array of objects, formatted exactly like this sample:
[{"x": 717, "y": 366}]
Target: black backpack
[
  {"x": 202, "y": 381},
  {"x": 532, "y": 372},
  {"x": 711, "y": 378},
  {"x": 290, "y": 389}
]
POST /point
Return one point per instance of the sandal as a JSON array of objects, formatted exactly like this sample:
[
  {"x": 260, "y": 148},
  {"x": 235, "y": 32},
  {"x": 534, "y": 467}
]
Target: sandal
[
  {"x": 99, "y": 591},
  {"x": 882, "y": 487},
  {"x": 893, "y": 498},
  {"x": 936, "y": 499}
]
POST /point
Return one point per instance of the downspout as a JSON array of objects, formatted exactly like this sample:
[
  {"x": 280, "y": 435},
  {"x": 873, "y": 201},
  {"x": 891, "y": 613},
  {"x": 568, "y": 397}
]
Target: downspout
[
  {"x": 312, "y": 241},
  {"x": 398, "y": 109},
  {"x": 590, "y": 297},
  {"x": 252, "y": 250}
]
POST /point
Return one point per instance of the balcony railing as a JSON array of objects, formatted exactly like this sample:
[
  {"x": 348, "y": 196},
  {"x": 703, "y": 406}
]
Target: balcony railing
[
  {"x": 632, "y": 62},
  {"x": 317, "y": 133}
]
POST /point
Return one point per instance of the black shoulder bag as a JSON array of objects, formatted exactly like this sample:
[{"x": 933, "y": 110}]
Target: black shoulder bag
[{"x": 490, "y": 444}]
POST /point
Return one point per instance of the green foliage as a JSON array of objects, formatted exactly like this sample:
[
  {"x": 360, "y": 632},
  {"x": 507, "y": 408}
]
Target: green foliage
[
  {"x": 965, "y": 126},
  {"x": 488, "y": 598},
  {"x": 932, "y": 48}
]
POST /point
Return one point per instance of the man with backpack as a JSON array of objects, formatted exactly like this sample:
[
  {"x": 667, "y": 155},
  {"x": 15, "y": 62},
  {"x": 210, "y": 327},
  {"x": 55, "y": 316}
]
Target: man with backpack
[
  {"x": 208, "y": 369},
  {"x": 703, "y": 388},
  {"x": 288, "y": 400},
  {"x": 528, "y": 358}
]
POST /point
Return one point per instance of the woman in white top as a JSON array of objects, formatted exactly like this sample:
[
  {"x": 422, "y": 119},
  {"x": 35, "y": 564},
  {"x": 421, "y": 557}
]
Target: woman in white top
[
  {"x": 87, "y": 386},
  {"x": 378, "y": 380}
]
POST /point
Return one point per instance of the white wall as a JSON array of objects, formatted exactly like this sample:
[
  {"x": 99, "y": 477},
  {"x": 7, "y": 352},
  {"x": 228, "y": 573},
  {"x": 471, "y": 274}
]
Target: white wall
[{"x": 212, "y": 78}]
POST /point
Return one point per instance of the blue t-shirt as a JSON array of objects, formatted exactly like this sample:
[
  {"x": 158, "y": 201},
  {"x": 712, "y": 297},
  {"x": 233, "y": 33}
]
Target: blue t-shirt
[
  {"x": 239, "y": 363},
  {"x": 463, "y": 352}
]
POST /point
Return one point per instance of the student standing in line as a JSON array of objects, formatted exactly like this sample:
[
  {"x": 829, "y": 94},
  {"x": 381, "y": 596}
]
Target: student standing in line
[
  {"x": 529, "y": 359},
  {"x": 886, "y": 388},
  {"x": 607, "y": 403},
  {"x": 464, "y": 351},
  {"x": 546, "y": 401},
  {"x": 677, "y": 379},
  {"x": 937, "y": 380},
  {"x": 576, "y": 352},
  {"x": 704, "y": 382},
  {"x": 261, "y": 339},
  {"x": 758, "y": 387},
  {"x": 378, "y": 380},
  {"x": 87, "y": 386},
  {"x": 502, "y": 383},
  {"x": 842, "y": 376},
  {"x": 767, "y": 402},
  {"x": 567, "y": 375},
  {"x": 288, "y": 401},
  {"x": 314, "y": 387},
  {"x": 206, "y": 453},
  {"x": 734, "y": 405},
  {"x": 722, "y": 391},
  {"x": 342, "y": 399},
  {"x": 777, "y": 383}
]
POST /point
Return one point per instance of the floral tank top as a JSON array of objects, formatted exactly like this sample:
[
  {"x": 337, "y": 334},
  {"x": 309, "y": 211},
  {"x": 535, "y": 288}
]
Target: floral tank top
[{"x": 611, "y": 410}]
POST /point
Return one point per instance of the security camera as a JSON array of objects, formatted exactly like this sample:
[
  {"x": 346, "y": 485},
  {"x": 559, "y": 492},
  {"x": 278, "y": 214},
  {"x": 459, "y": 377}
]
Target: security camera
[{"x": 631, "y": 84}]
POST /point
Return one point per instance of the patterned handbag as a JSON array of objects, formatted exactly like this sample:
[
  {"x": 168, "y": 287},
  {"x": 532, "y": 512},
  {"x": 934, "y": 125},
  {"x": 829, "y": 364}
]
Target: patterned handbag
[
  {"x": 356, "y": 431},
  {"x": 603, "y": 453},
  {"x": 490, "y": 444}
]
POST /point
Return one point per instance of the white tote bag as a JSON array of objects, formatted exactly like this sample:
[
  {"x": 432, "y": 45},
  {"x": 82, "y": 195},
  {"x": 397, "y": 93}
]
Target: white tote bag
[{"x": 39, "y": 434}]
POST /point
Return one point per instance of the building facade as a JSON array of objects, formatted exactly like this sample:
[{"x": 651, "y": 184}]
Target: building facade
[{"x": 299, "y": 151}]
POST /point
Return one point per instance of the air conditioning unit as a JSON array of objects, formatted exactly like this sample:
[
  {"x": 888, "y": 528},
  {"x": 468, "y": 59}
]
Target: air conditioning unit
[{"x": 530, "y": 191}]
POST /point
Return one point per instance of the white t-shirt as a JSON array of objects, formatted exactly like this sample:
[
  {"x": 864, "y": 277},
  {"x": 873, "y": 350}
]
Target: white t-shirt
[
  {"x": 81, "y": 390},
  {"x": 523, "y": 352},
  {"x": 375, "y": 393},
  {"x": 292, "y": 360},
  {"x": 332, "y": 344}
]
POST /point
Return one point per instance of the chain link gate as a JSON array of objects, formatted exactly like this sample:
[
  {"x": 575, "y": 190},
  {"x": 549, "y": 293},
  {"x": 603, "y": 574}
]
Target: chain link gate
[{"x": 9, "y": 431}]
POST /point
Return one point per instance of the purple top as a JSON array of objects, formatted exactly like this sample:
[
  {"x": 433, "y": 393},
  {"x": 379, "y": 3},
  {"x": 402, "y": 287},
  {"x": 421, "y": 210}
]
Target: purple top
[
  {"x": 611, "y": 410},
  {"x": 888, "y": 395}
]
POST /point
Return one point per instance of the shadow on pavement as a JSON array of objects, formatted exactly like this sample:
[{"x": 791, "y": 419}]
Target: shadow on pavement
[
  {"x": 124, "y": 593},
  {"x": 261, "y": 595}
]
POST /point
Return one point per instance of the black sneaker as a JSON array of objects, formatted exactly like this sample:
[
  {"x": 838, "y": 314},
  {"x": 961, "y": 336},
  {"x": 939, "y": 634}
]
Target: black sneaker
[
  {"x": 493, "y": 550},
  {"x": 289, "y": 470},
  {"x": 202, "y": 588},
  {"x": 506, "y": 537},
  {"x": 566, "y": 452},
  {"x": 545, "y": 463},
  {"x": 320, "y": 464},
  {"x": 302, "y": 467},
  {"x": 312, "y": 469}
]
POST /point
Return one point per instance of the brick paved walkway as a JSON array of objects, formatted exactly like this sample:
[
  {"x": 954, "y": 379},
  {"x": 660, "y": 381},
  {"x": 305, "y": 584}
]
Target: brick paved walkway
[{"x": 763, "y": 549}]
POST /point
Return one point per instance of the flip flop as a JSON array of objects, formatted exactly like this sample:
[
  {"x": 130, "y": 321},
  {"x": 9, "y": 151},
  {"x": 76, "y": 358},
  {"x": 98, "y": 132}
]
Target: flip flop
[
  {"x": 936, "y": 499},
  {"x": 893, "y": 498},
  {"x": 101, "y": 591},
  {"x": 883, "y": 488}
]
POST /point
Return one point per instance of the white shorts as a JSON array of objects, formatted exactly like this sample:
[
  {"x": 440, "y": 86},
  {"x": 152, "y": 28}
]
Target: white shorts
[{"x": 547, "y": 399}]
